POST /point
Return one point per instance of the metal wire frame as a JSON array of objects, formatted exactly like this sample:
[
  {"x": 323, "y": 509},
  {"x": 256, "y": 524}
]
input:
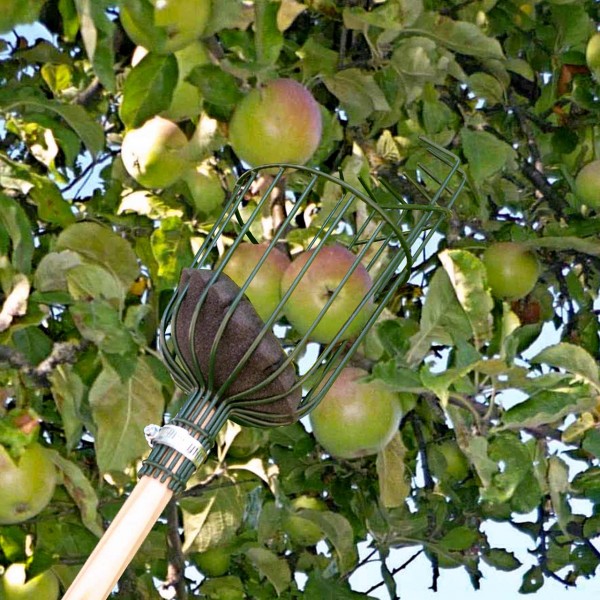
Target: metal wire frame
[{"x": 385, "y": 235}]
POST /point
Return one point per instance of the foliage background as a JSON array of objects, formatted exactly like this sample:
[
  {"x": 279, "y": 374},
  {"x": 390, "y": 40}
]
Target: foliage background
[{"x": 86, "y": 272}]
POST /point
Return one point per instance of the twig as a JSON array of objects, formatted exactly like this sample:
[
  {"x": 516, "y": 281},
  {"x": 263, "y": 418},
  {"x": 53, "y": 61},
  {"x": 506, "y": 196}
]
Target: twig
[
  {"x": 86, "y": 96},
  {"x": 62, "y": 353},
  {"x": 543, "y": 550},
  {"x": 176, "y": 567},
  {"x": 429, "y": 482},
  {"x": 396, "y": 571}
]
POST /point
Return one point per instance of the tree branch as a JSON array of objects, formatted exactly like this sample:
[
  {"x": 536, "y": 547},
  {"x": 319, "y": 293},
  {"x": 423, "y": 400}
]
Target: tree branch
[
  {"x": 62, "y": 353},
  {"x": 176, "y": 568},
  {"x": 414, "y": 421}
]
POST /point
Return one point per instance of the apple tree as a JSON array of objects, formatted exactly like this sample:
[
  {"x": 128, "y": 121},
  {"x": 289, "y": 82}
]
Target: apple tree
[{"x": 115, "y": 160}]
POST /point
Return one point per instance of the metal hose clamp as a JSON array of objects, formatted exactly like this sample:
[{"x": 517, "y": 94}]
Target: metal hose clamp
[{"x": 179, "y": 439}]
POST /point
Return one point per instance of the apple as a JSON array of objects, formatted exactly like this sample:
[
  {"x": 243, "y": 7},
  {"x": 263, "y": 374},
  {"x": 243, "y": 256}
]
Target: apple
[
  {"x": 27, "y": 483},
  {"x": 214, "y": 562},
  {"x": 447, "y": 461},
  {"x": 264, "y": 290},
  {"x": 164, "y": 26},
  {"x": 279, "y": 122},
  {"x": 14, "y": 586},
  {"x": 512, "y": 269},
  {"x": 315, "y": 288},
  {"x": 592, "y": 53},
  {"x": 247, "y": 442},
  {"x": 206, "y": 193},
  {"x": 300, "y": 530},
  {"x": 152, "y": 153},
  {"x": 356, "y": 418},
  {"x": 587, "y": 183}
]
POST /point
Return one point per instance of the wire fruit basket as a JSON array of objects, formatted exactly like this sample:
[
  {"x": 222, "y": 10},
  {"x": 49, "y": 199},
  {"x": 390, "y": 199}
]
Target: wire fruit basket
[{"x": 233, "y": 364}]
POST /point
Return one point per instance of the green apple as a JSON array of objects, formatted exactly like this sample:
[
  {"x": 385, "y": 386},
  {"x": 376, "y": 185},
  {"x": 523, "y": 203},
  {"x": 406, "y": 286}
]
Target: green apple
[
  {"x": 264, "y": 290},
  {"x": 300, "y": 530},
  {"x": 592, "y": 53},
  {"x": 512, "y": 269},
  {"x": 587, "y": 184},
  {"x": 214, "y": 562},
  {"x": 317, "y": 285},
  {"x": 164, "y": 26},
  {"x": 446, "y": 460},
  {"x": 27, "y": 483},
  {"x": 279, "y": 122},
  {"x": 152, "y": 153},
  {"x": 356, "y": 418},
  {"x": 14, "y": 586},
  {"x": 206, "y": 193},
  {"x": 247, "y": 442}
]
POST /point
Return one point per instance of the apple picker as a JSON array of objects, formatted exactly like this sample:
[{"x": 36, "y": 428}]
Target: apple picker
[{"x": 234, "y": 365}]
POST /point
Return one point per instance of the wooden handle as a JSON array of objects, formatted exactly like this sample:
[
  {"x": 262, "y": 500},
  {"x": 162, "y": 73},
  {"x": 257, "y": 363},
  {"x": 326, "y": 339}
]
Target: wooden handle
[{"x": 122, "y": 539}]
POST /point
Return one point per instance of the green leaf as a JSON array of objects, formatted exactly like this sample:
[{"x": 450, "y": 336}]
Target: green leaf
[
  {"x": 218, "y": 88},
  {"x": 397, "y": 378},
  {"x": 14, "y": 220},
  {"x": 357, "y": 92},
  {"x": 271, "y": 566},
  {"x": 120, "y": 411},
  {"x": 68, "y": 391},
  {"x": 573, "y": 359},
  {"x": 591, "y": 441},
  {"x": 82, "y": 492},
  {"x": 330, "y": 589},
  {"x": 64, "y": 537},
  {"x": 486, "y": 154},
  {"x": 459, "y": 36},
  {"x": 500, "y": 559},
  {"x": 172, "y": 250},
  {"x": 214, "y": 517},
  {"x": 268, "y": 39},
  {"x": 477, "y": 451},
  {"x": 558, "y": 483},
  {"x": 533, "y": 580},
  {"x": 103, "y": 246},
  {"x": 546, "y": 407},
  {"x": 100, "y": 323},
  {"x": 468, "y": 277},
  {"x": 508, "y": 450},
  {"x": 459, "y": 539},
  {"x": 391, "y": 472},
  {"x": 97, "y": 32},
  {"x": 486, "y": 87},
  {"x": 317, "y": 60},
  {"x": 91, "y": 281},
  {"x": 51, "y": 205},
  {"x": 339, "y": 532},
  {"x": 148, "y": 88},
  {"x": 221, "y": 588},
  {"x": 589, "y": 246},
  {"x": 89, "y": 131},
  {"x": 51, "y": 274},
  {"x": 33, "y": 343},
  {"x": 395, "y": 15},
  {"x": 443, "y": 319},
  {"x": 440, "y": 383}
]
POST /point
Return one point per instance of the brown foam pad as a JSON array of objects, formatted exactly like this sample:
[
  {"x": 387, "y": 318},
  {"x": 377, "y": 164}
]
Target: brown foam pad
[{"x": 242, "y": 329}]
